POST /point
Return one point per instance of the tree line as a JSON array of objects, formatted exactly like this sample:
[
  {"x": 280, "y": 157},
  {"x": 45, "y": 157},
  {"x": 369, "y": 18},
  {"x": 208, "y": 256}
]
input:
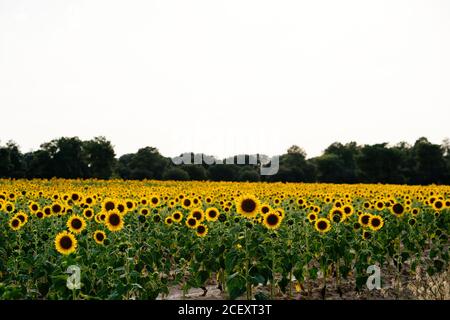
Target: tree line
[{"x": 69, "y": 157}]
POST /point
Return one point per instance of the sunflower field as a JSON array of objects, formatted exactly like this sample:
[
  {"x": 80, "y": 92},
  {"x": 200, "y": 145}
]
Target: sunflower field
[{"x": 141, "y": 239}]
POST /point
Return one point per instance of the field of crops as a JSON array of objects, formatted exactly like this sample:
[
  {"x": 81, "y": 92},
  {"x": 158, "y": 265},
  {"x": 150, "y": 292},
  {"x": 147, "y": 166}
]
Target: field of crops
[{"x": 142, "y": 240}]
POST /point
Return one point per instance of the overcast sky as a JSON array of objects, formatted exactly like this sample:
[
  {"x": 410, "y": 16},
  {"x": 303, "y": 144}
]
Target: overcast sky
[{"x": 224, "y": 77}]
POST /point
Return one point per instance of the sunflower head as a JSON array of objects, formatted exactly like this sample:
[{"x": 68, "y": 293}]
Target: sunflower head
[
  {"x": 322, "y": 225},
  {"x": 212, "y": 214},
  {"x": 114, "y": 221},
  {"x": 376, "y": 223},
  {"x": 99, "y": 236},
  {"x": 247, "y": 206},
  {"x": 272, "y": 220},
  {"x": 65, "y": 243},
  {"x": 201, "y": 230},
  {"x": 76, "y": 224}
]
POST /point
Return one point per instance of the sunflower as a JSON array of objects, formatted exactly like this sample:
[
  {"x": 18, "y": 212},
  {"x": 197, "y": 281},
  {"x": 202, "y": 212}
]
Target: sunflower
[
  {"x": 348, "y": 210},
  {"x": 9, "y": 207},
  {"x": 312, "y": 217},
  {"x": 398, "y": 210},
  {"x": 56, "y": 208},
  {"x": 336, "y": 215},
  {"x": 191, "y": 222},
  {"x": 114, "y": 221},
  {"x": 415, "y": 211},
  {"x": 65, "y": 243},
  {"x": 376, "y": 223},
  {"x": 272, "y": 220},
  {"x": 364, "y": 219},
  {"x": 121, "y": 207},
  {"x": 34, "y": 207},
  {"x": 99, "y": 236},
  {"x": 144, "y": 211},
  {"x": 15, "y": 224},
  {"x": 379, "y": 205},
  {"x": 186, "y": 203},
  {"x": 212, "y": 214},
  {"x": 88, "y": 213},
  {"x": 108, "y": 205},
  {"x": 201, "y": 230},
  {"x": 248, "y": 206},
  {"x": 130, "y": 204},
  {"x": 168, "y": 221},
  {"x": 198, "y": 214},
  {"x": 22, "y": 217},
  {"x": 366, "y": 235},
  {"x": 177, "y": 216},
  {"x": 154, "y": 201},
  {"x": 265, "y": 208},
  {"x": 438, "y": 205},
  {"x": 322, "y": 225},
  {"x": 76, "y": 224}
]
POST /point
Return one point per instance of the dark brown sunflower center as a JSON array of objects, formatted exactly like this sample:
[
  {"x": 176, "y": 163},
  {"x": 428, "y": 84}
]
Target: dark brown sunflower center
[
  {"x": 265, "y": 209},
  {"x": 212, "y": 213},
  {"x": 15, "y": 223},
  {"x": 76, "y": 224},
  {"x": 187, "y": 202},
  {"x": 99, "y": 236},
  {"x": 376, "y": 222},
  {"x": 365, "y": 219},
  {"x": 65, "y": 242},
  {"x": 191, "y": 222},
  {"x": 197, "y": 215},
  {"x": 322, "y": 225},
  {"x": 176, "y": 216},
  {"x": 272, "y": 220},
  {"x": 201, "y": 229},
  {"x": 248, "y": 205},
  {"x": 397, "y": 208},
  {"x": 56, "y": 208},
  {"x": 114, "y": 219},
  {"x": 109, "y": 205},
  {"x": 34, "y": 207},
  {"x": 154, "y": 200}
]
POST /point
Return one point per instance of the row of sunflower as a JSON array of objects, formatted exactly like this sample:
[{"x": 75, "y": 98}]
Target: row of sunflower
[{"x": 189, "y": 233}]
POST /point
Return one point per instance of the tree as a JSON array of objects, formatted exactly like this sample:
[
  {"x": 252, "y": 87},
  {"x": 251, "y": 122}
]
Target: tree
[
  {"x": 12, "y": 164},
  {"x": 67, "y": 157},
  {"x": 147, "y": 163},
  {"x": 430, "y": 166},
  {"x": 100, "y": 157},
  {"x": 379, "y": 164},
  {"x": 176, "y": 174}
]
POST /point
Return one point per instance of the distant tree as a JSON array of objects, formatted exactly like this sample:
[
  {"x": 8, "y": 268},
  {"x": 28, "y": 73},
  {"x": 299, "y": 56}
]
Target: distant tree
[
  {"x": 249, "y": 174},
  {"x": 430, "y": 165},
  {"x": 11, "y": 161},
  {"x": 294, "y": 167},
  {"x": 379, "y": 164},
  {"x": 176, "y": 174},
  {"x": 147, "y": 163},
  {"x": 100, "y": 157},
  {"x": 195, "y": 171},
  {"x": 223, "y": 172},
  {"x": 67, "y": 157},
  {"x": 39, "y": 164}
]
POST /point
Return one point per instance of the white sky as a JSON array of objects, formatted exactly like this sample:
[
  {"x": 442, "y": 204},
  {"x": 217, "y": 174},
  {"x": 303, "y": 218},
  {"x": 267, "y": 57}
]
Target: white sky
[{"x": 224, "y": 77}]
